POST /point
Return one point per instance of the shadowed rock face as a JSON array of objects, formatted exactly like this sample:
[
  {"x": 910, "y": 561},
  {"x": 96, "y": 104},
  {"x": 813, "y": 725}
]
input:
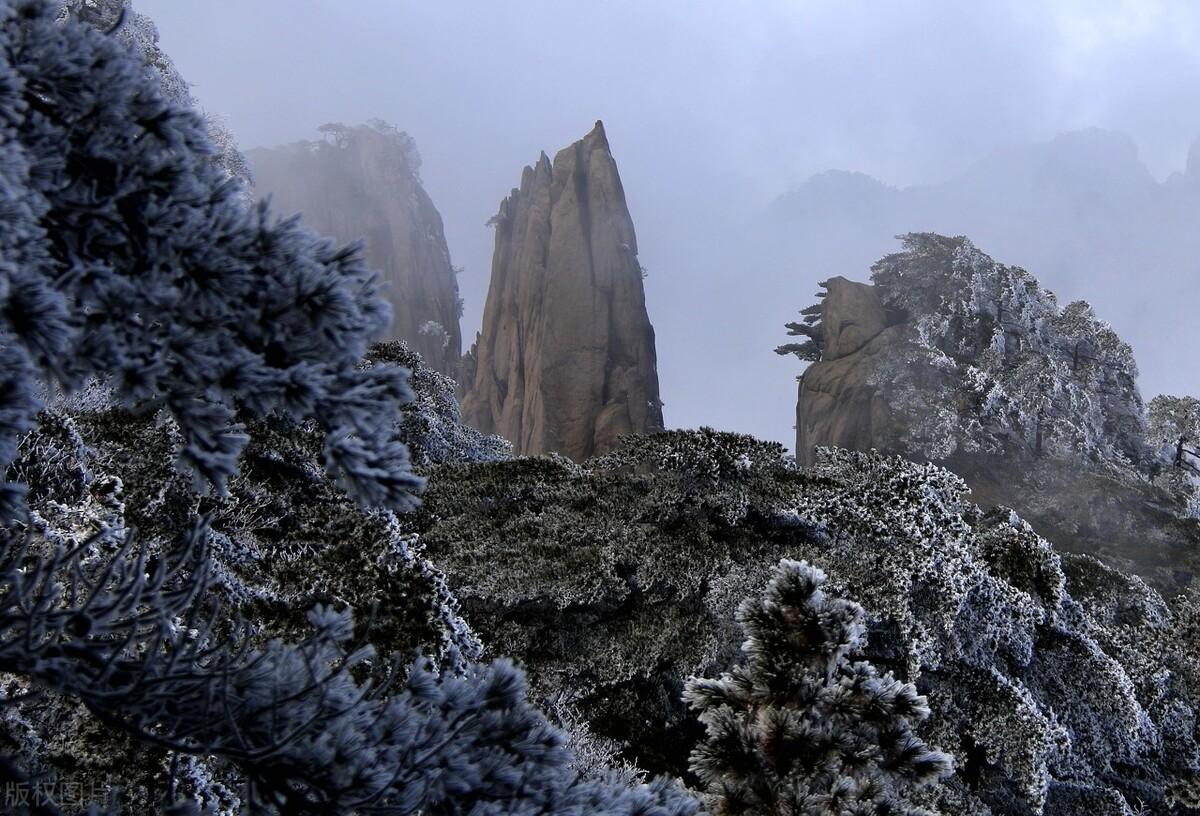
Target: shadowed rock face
[
  {"x": 362, "y": 183},
  {"x": 565, "y": 361}
]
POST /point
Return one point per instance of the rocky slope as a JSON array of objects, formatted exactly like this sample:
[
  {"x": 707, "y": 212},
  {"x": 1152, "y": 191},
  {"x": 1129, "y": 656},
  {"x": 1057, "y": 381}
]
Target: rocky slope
[
  {"x": 362, "y": 183},
  {"x": 565, "y": 361},
  {"x": 952, "y": 357}
]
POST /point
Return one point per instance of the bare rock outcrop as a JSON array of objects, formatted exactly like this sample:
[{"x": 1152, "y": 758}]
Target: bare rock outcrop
[
  {"x": 838, "y": 404},
  {"x": 565, "y": 361},
  {"x": 363, "y": 183}
]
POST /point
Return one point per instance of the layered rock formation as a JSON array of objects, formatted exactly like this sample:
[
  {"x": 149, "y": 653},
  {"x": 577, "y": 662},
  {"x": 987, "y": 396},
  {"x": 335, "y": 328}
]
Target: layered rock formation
[
  {"x": 565, "y": 361},
  {"x": 363, "y": 183}
]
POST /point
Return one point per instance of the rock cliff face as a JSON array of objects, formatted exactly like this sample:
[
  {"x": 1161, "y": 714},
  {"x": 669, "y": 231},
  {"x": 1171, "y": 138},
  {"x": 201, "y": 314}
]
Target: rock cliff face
[
  {"x": 363, "y": 182},
  {"x": 954, "y": 358},
  {"x": 838, "y": 404},
  {"x": 565, "y": 361}
]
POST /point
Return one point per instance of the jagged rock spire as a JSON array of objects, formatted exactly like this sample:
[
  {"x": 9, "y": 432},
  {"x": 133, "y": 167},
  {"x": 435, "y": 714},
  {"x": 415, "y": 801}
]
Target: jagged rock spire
[{"x": 565, "y": 361}]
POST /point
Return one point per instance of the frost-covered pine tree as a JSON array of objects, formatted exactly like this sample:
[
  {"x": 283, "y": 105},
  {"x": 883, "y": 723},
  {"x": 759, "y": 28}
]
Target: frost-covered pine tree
[
  {"x": 1175, "y": 425},
  {"x": 800, "y": 729},
  {"x": 140, "y": 35},
  {"x": 811, "y": 348},
  {"x": 126, "y": 254}
]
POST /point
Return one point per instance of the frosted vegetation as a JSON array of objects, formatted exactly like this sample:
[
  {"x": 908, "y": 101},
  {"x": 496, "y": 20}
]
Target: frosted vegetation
[
  {"x": 1052, "y": 679},
  {"x": 251, "y": 563},
  {"x": 801, "y": 728},
  {"x": 131, "y": 263}
]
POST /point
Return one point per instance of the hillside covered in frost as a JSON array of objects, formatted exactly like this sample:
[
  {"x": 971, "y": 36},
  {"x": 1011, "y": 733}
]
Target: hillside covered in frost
[
  {"x": 952, "y": 357},
  {"x": 1056, "y": 682}
]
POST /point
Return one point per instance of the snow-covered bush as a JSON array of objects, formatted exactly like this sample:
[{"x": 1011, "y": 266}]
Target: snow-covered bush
[
  {"x": 1049, "y": 676},
  {"x": 133, "y": 644},
  {"x": 431, "y": 424},
  {"x": 800, "y": 728},
  {"x": 127, "y": 254},
  {"x": 138, "y": 32}
]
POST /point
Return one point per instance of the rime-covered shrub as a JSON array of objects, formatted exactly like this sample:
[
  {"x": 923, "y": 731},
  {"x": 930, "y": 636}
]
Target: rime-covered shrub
[
  {"x": 138, "y": 32},
  {"x": 1175, "y": 430},
  {"x": 430, "y": 424},
  {"x": 283, "y": 539},
  {"x": 615, "y": 580},
  {"x": 799, "y": 728},
  {"x": 125, "y": 253},
  {"x": 129, "y": 639}
]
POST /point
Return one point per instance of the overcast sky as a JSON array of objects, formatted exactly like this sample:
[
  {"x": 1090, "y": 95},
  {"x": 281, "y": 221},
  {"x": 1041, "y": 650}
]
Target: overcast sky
[{"x": 712, "y": 109}]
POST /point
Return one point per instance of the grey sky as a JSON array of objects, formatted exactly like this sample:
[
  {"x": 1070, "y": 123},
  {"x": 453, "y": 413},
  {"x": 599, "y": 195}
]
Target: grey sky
[{"x": 712, "y": 110}]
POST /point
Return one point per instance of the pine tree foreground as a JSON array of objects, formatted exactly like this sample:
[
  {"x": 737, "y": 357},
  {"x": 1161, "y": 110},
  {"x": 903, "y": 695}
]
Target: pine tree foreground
[
  {"x": 800, "y": 729},
  {"x": 128, "y": 258}
]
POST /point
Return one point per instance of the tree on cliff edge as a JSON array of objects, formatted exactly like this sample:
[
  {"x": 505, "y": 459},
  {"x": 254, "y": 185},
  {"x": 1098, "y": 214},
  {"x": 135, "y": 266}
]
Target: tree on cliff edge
[{"x": 1175, "y": 421}]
